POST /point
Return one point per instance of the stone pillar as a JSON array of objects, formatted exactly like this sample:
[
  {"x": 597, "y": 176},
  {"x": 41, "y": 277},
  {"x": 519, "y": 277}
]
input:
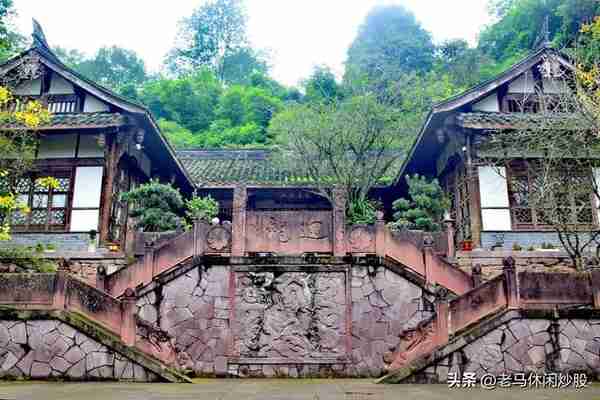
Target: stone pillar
[
  {"x": 148, "y": 270},
  {"x": 339, "y": 222},
  {"x": 595, "y": 278},
  {"x": 476, "y": 274},
  {"x": 238, "y": 228},
  {"x": 101, "y": 278},
  {"x": 427, "y": 255},
  {"x": 511, "y": 282},
  {"x": 442, "y": 321},
  {"x": 128, "y": 310},
  {"x": 60, "y": 290},
  {"x": 380, "y": 235},
  {"x": 449, "y": 228}
]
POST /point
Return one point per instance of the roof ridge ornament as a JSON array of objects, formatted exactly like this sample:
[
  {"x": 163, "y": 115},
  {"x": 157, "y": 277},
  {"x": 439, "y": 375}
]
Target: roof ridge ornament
[{"x": 39, "y": 38}]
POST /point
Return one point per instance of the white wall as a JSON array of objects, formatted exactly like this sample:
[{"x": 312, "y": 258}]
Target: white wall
[
  {"x": 57, "y": 146},
  {"x": 29, "y": 88},
  {"x": 523, "y": 84},
  {"x": 59, "y": 85},
  {"x": 93, "y": 104},
  {"x": 489, "y": 104}
]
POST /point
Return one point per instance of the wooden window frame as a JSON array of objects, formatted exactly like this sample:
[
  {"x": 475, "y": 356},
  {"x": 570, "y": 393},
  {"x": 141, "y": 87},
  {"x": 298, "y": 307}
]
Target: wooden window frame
[{"x": 535, "y": 224}]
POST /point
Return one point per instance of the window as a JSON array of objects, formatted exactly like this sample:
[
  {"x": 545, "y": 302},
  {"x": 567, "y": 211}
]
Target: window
[
  {"x": 48, "y": 205},
  {"x": 86, "y": 199},
  {"x": 71, "y": 146},
  {"x": 539, "y": 203},
  {"x": 495, "y": 213}
]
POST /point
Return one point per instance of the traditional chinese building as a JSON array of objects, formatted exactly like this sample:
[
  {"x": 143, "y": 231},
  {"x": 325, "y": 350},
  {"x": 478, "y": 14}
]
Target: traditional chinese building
[
  {"x": 491, "y": 204},
  {"x": 97, "y": 145}
]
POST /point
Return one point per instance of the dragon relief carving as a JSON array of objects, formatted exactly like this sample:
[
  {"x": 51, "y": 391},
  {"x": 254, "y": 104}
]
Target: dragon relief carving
[
  {"x": 413, "y": 342},
  {"x": 290, "y": 315}
]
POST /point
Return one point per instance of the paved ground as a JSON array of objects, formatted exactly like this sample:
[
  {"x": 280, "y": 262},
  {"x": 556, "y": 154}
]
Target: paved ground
[{"x": 274, "y": 390}]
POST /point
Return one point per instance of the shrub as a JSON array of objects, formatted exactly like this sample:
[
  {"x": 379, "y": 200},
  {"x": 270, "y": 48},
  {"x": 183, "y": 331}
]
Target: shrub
[
  {"x": 158, "y": 207},
  {"x": 362, "y": 212},
  {"x": 27, "y": 259},
  {"x": 425, "y": 207},
  {"x": 201, "y": 208}
]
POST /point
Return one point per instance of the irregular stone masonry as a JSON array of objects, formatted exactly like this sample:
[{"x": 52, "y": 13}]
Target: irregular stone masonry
[
  {"x": 42, "y": 349},
  {"x": 286, "y": 323},
  {"x": 523, "y": 346}
]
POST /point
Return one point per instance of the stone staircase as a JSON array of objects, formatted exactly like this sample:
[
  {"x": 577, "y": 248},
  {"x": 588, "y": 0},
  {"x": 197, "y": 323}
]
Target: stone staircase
[
  {"x": 459, "y": 324},
  {"x": 103, "y": 331}
]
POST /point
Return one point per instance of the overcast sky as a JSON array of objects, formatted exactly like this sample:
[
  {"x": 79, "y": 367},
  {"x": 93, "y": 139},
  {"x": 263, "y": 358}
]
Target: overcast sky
[{"x": 298, "y": 33}]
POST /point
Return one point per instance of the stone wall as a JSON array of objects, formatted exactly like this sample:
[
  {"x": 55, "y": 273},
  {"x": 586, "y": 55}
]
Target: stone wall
[
  {"x": 525, "y": 345},
  {"x": 293, "y": 321},
  {"x": 42, "y": 349},
  {"x": 61, "y": 241}
]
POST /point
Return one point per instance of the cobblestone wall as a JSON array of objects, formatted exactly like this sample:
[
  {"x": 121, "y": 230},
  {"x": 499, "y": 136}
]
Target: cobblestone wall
[
  {"x": 526, "y": 345},
  {"x": 285, "y": 322},
  {"x": 42, "y": 349}
]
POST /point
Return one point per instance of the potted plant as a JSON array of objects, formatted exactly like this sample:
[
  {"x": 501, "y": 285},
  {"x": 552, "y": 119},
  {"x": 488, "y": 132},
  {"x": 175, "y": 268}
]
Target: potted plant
[
  {"x": 517, "y": 247},
  {"x": 92, "y": 244},
  {"x": 547, "y": 247},
  {"x": 157, "y": 208},
  {"x": 50, "y": 248},
  {"x": 467, "y": 243}
]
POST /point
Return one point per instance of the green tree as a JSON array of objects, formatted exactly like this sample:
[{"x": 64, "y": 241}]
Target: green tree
[
  {"x": 351, "y": 144},
  {"x": 212, "y": 34},
  {"x": 157, "y": 207},
  {"x": 11, "y": 42},
  {"x": 178, "y": 136},
  {"x": 241, "y": 64},
  {"x": 322, "y": 85},
  {"x": 114, "y": 67},
  {"x": 190, "y": 100},
  {"x": 425, "y": 207},
  {"x": 389, "y": 42}
]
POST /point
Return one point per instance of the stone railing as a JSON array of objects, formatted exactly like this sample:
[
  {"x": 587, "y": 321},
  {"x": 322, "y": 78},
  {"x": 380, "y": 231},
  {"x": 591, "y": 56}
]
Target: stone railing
[
  {"x": 294, "y": 233},
  {"x": 63, "y": 292},
  {"x": 511, "y": 290}
]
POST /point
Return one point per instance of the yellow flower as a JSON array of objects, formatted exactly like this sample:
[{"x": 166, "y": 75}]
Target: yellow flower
[{"x": 48, "y": 182}]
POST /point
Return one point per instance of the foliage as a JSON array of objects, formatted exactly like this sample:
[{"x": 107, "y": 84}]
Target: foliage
[
  {"x": 210, "y": 36},
  {"x": 201, "y": 208},
  {"x": 119, "y": 69},
  {"x": 322, "y": 86},
  {"x": 351, "y": 143},
  {"x": 11, "y": 42},
  {"x": 390, "y": 42},
  {"x": 362, "y": 212},
  {"x": 517, "y": 29},
  {"x": 425, "y": 207},
  {"x": 27, "y": 259},
  {"x": 241, "y": 64},
  {"x": 18, "y": 147},
  {"x": 156, "y": 206}
]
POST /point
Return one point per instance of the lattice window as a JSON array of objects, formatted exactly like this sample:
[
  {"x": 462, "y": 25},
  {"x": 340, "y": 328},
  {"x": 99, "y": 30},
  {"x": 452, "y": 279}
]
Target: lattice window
[
  {"x": 48, "y": 206},
  {"x": 539, "y": 203},
  {"x": 461, "y": 201}
]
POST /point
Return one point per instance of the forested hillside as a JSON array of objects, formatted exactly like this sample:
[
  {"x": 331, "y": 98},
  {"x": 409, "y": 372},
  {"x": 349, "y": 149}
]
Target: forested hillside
[{"x": 215, "y": 89}]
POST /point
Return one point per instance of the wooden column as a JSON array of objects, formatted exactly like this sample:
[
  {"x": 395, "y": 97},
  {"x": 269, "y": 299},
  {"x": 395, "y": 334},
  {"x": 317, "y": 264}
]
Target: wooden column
[
  {"x": 110, "y": 167},
  {"x": 474, "y": 196},
  {"x": 339, "y": 222},
  {"x": 238, "y": 228}
]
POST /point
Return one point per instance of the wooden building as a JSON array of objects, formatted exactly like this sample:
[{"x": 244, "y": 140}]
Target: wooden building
[
  {"x": 97, "y": 145},
  {"x": 490, "y": 206}
]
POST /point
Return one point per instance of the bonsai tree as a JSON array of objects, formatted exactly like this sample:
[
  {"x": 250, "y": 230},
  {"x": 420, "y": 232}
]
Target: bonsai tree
[
  {"x": 201, "y": 208},
  {"x": 425, "y": 207},
  {"x": 157, "y": 207}
]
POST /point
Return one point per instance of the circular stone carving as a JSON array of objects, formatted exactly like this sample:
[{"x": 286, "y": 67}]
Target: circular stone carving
[
  {"x": 218, "y": 238},
  {"x": 360, "y": 238}
]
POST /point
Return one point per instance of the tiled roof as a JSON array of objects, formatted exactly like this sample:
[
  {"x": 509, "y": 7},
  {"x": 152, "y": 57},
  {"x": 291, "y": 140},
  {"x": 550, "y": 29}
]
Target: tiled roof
[
  {"x": 497, "y": 120},
  {"x": 251, "y": 167},
  {"x": 227, "y": 167},
  {"x": 79, "y": 120}
]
